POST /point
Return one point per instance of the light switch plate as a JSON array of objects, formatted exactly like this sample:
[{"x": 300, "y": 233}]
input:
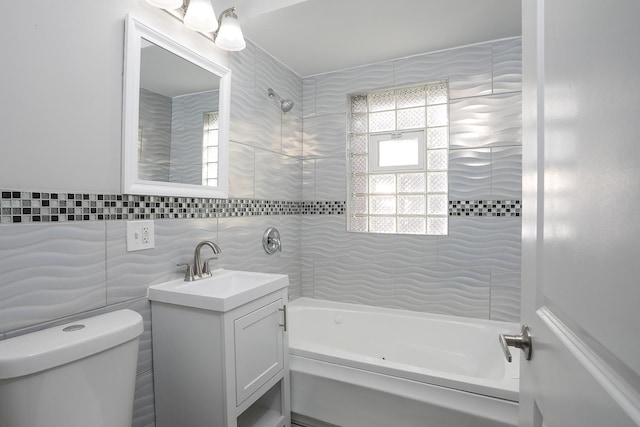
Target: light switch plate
[{"x": 140, "y": 235}]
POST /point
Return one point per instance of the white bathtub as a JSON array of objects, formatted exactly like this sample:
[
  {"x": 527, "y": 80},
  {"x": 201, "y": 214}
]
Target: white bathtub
[{"x": 356, "y": 365}]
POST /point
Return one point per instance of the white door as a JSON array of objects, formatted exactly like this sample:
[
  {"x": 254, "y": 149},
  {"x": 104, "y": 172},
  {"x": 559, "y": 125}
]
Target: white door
[{"x": 581, "y": 224}]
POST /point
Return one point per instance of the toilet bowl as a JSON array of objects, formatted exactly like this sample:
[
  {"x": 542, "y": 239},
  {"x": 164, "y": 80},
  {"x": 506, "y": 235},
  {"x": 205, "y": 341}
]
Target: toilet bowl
[{"x": 81, "y": 374}]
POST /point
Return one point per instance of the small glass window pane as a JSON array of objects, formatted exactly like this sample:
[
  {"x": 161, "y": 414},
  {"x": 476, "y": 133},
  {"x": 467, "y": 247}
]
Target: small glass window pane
[
  {"x": 382, "y": 101},
  {"x": 411, "y": 183},
  {"x": 381, "y": 122},
  {"x": 437, "y": 204},
  {"x": 411, "y": 119},
  {"x": 359, "y": 204},
  {"x": 212, "y": 170},
  {"x": 438, "y": 137},
  {"x": 437, "y": 160},
  {"x": 211, "y": 154},
  {"x": 399, "y": 152},
  {"x": 382, "y": 183},
  {"x": 437, "y": 226},
  {"x": 359, "y": 184},
  {"x": 410, "y": 225},
  {"x": 359, "y": 164},
  {"x": 359, "y": 144},
  {"x": 382, "y": 224},
  {"x": 211, "y": 121},
  {"x": 437, "y": 94},
  {"x": 211, "y": 137},
  {"x": 411, "y": 205},
  {"x": 437, "y": 182},
  {"x": 437, "y": 115},
  {"x": 359, "y": 223},
  {"x": 411, "y": 97},
  {"x": 382, "y": 205},
  {"x": 359, "y": 104},
  {"x": 359, "y": 123}
]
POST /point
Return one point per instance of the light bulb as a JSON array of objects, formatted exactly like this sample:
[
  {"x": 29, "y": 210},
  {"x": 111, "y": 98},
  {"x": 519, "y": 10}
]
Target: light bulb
[
  {"x": 230, "y": 35},
  {"x": 200, "y": 16}
]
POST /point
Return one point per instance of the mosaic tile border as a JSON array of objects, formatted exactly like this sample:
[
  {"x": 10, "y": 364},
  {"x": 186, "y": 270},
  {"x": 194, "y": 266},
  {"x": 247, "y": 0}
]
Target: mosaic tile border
[
  {"x": 485, "y": 208},
  {"x": 38, "y": 207},
  {"x": 18, "y": 207}
]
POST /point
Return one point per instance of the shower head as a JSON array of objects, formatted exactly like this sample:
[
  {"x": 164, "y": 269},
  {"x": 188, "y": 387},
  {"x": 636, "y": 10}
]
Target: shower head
[{"x": 285, "y": 104}]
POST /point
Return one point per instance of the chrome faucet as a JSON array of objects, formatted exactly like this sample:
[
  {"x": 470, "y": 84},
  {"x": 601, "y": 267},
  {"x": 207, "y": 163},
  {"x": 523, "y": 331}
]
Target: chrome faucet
[{"x": 200, "y": 269}]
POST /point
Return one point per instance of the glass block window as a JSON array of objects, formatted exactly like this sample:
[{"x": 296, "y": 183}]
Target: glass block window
[
  {"x": 210, "y": 149},
  {"x": 398, "y": 148}
]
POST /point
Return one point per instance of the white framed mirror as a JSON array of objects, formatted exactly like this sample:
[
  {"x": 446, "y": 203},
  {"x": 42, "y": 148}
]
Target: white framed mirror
[{"x": 175, "y": 118}]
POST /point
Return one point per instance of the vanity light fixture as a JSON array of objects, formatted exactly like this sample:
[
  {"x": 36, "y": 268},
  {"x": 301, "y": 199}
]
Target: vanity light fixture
[{"x": 198, "y": 15}]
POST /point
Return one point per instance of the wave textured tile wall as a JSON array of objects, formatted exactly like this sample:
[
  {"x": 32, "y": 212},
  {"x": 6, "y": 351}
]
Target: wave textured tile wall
[
  {"x": 474, "y": 271},
  {"x": 63, "y": 255},
  {"x": 186, "y": 135}
]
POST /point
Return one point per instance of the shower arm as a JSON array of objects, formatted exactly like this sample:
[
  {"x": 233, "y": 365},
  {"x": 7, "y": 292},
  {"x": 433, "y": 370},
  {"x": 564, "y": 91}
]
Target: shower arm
[
  {"x": 272, "y": 94},
  {"x": 285, "y": 104}
]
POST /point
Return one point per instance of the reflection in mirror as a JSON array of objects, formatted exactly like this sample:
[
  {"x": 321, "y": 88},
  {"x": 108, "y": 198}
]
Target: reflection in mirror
[{"x": 176, "y": 118}]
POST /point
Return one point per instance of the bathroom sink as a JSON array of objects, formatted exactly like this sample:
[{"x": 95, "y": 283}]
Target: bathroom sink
[{"x": 223, "y": 291}]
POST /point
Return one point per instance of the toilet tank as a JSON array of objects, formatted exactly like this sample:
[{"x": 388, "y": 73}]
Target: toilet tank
[{"x": 81, "y": 374}]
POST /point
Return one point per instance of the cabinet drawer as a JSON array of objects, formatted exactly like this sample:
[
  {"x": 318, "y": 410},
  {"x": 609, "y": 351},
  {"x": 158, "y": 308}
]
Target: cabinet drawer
[{"x": 259, "y": 352}]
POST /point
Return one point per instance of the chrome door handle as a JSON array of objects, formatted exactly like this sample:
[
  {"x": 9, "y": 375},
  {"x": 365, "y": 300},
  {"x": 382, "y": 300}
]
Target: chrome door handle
[{"x": 522, "y": 341}]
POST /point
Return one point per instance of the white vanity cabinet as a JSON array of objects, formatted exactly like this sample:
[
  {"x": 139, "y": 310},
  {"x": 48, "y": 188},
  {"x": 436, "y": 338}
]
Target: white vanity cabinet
[{"x": 221, "y": 368}]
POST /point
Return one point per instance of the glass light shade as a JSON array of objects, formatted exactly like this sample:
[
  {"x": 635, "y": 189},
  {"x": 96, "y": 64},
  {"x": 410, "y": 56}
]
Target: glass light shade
[
  {"x": 200, "y": 16},
  {"x": 166, "y": 4},
  {"x": 230, "y": 35}
]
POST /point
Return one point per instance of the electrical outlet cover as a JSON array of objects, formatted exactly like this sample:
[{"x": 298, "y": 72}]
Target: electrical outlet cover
[{"x": 140, "y": 235}]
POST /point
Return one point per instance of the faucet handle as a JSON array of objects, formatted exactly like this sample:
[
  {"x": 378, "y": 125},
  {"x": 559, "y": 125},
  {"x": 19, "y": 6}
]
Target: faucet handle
[
  {"x": 188, "y": 275},
  {"x": 207, "y": 269}
]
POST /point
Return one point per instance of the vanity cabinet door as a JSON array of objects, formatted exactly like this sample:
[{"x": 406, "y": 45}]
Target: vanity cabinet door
[{"x": 259, "y": 348}]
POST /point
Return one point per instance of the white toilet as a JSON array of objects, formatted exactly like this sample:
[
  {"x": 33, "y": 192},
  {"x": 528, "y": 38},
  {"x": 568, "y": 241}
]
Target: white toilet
[{"x": 81, "y": 374}]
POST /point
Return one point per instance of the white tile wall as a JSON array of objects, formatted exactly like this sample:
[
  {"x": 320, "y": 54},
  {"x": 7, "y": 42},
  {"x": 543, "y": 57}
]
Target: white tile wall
[
  {"x": 50, "y": 271},
  {"x": 442, "y": 290},
  {"x": 331, "y": 90},
  {"x": 186, "y": 135},
  {"x": 486, "y": 121},
  {"x": 277, "y": 176},
  {"x": 507, "y": 66},
  {"x": 468, "y": 70},
  {"x": 506, "y": 172},
  {"x": 474, "y": 271},
  {"x": 324, "y": 136},
  {"x": 470, "y": 174}
]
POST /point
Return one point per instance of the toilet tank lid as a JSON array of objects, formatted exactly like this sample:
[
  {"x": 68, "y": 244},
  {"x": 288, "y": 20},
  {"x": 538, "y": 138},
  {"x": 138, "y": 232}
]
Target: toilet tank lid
[{"x": 45, "y": 349}]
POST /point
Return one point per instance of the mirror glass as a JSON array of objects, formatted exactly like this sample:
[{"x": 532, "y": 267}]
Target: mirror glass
[{"x": 176, "y": 138}]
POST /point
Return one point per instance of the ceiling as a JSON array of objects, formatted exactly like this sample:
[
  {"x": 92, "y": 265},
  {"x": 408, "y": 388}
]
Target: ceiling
[{"x": 318, "y": 36}]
